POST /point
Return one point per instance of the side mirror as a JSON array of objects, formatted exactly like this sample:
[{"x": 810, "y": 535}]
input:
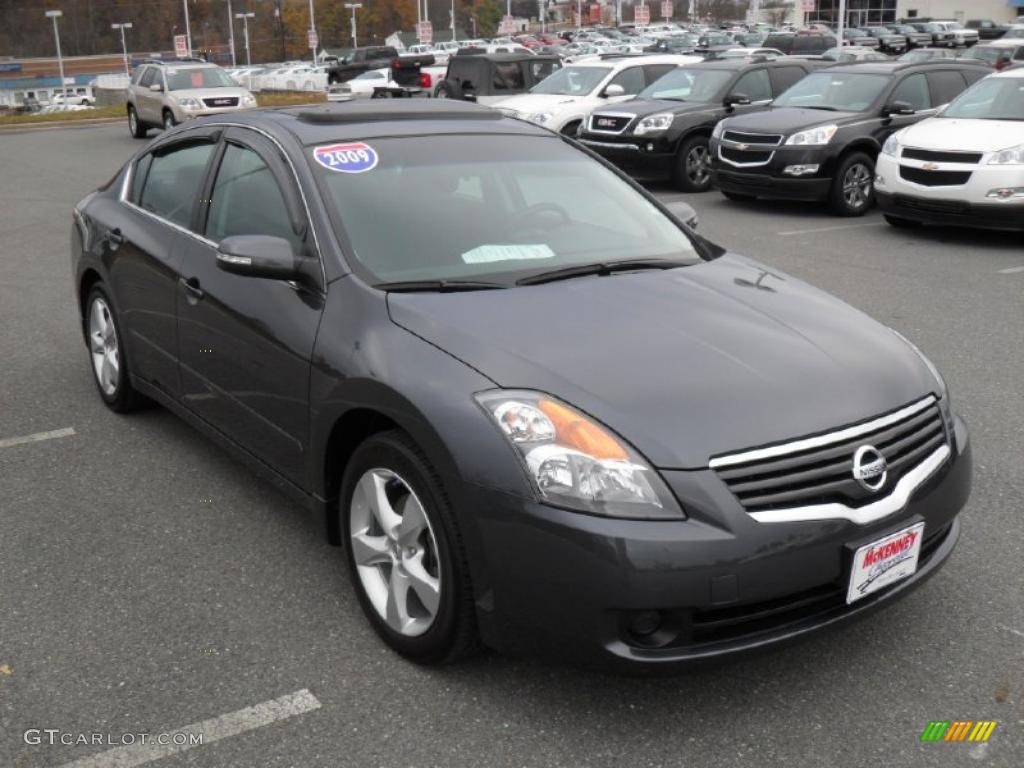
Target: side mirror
[
  {"x": 614, "y": 90},
  {"x": 736, "y": 100},
  {"x": 156, "y": 87},
  {"x": 683, "y": 213},
  {"x": 898, "y": 108},
  {"x": 258, "y": 256}
]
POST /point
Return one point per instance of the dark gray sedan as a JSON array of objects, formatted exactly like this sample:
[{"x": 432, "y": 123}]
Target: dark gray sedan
[{"x": 536, "y": 408}]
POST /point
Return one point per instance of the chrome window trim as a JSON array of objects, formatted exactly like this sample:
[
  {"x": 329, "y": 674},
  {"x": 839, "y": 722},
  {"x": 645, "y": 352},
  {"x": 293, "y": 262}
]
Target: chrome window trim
[
  {"x": 819, "y": 441},
  {"x": 869, "y": 513},
  {"x": 126, "y": 184}
]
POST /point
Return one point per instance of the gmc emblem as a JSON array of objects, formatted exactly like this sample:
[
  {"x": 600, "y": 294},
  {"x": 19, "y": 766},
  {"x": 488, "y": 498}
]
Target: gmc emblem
[
  {"x": 605, "y": 122},
  {"x": 222, "y": 102}
]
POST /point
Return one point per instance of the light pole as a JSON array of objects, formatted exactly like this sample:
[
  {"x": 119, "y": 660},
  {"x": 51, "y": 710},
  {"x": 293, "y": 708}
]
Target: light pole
[
  {"x": 312, "y": 27},
  {"x": 453, "y": 20},
  {"x": 188, "y": 29},
  {"x": 353, "y": 7},
  {"x": 56, "y": 35},
  {"x": 842, "y": 23},
  {"x": 579, "y": 14},
  {"x": 124, "y": 45},
  {"x": 540, "y": 12},
  {"x": 231, "y": 34},
  {"x": 245, "y": 31}
]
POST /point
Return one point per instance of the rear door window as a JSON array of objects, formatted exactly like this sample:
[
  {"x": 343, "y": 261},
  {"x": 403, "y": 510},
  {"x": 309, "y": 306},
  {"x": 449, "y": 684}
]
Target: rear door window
[
  {"x": 914, "y": 91},
  {"x": 171, "y": 188},
  {"x": 945, "y": 86},
  {"x": 755, "y": 85},
  {"x": 508, "y": 77},
  {"x": 783, "y": 77}
]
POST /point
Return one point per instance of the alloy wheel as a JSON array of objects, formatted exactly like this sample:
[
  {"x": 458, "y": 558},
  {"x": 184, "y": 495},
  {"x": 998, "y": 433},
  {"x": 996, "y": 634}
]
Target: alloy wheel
[
  {"x": 106, "y": 358},
  {"x": 395, "y": 552},
  {"x": 168, "y": 121},
  {"x": 698, "y": 168},
  {"x": 857, "y": 186},
  {"x": 133, "y": 122}
]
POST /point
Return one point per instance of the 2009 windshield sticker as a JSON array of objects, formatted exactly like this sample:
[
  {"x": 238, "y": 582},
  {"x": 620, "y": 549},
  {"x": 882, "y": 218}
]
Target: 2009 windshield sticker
[{"x": 355, "y": 157}]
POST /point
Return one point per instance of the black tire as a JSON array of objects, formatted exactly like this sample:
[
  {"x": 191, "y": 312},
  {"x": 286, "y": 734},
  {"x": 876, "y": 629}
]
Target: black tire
[
  {"x": 169, "y": 121},
  {"x": 136, "y": 127},
  {"x": 853, "y": 188},
  {"x": 896, "y": 221},
  {"x": 572, "y": 129},
  {"x": 452, "y": 635},
  {"x": 124, "y": 398},
  {"x": 692, "y": 172},
  {"x": 443, "y": 91},
  {"x": 738, "y": 198}
]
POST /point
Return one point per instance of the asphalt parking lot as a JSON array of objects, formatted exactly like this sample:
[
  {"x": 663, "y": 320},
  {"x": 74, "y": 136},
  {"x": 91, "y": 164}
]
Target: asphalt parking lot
[{"x": 149, "y": 582}]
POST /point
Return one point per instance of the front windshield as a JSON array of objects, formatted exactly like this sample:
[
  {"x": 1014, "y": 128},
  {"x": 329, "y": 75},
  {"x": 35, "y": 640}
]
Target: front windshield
[
  {"x": 689, "y": 84},
  {"x": 842, "y": 91},
  {"x": 572, "y": 81},
  {"x": 198, "y": 77},
  {"x": 488, "y": 207},
  {"x": 915, "y": 56},
  {"x": 994, "y": 98}
]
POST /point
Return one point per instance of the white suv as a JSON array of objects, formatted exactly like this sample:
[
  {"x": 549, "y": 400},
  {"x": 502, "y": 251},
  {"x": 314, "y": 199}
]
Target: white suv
[
  {"x": 564, "y": 98},
  {"x": 963, "y": 167}
]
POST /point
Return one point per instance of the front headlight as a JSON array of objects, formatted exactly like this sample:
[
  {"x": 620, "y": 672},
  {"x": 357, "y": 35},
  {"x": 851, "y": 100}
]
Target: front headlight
[
  {"x": 187, "y": 102},
  {"x": 891, "y": 146},
  {"x": 813, "y": 137},
  {"x": 1011, "y": 156},
  {"x": 248, "y": 100},
  {"x": 540, "y": 117},
  {"x": 657, "y": 123},
  {"x": 574, "y": 462}
]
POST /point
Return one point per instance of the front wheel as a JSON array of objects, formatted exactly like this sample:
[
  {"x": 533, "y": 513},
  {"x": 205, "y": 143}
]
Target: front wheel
[
  {"x": 692, "y": 171},
  {"x": 404, "y": 551},
  {"x": 106, "y": 351},
  {"x": 853, "y": 188},
  {"x": 169, "y": 121}
]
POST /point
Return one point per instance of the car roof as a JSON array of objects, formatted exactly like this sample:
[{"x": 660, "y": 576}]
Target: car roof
[
  {"x": 1011, "y": 42},
  {"x": 357, "y": 120},
  {"x": 1015, "y": 72},
  {"x": 892, "y": 67}
]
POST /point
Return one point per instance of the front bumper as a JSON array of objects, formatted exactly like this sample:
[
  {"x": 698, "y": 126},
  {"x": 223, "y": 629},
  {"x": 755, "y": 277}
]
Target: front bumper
[
  {"x": 181, "y": 115},
  {"x": 643, "y": 159},
  {"x": 768, "y": 178},
  {"x": 569, "y": 585}
]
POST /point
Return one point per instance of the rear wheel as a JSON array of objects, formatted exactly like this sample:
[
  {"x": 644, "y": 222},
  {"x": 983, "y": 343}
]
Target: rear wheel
[
  {"x": 404, "y": 551},
  {"x": 442, "y": 92},
  {"x": 106, "y": 352},
  {"x": 135, "y": 126},
  {"x": 853, "y": 188},
  {"x": 692, "y": 172}
]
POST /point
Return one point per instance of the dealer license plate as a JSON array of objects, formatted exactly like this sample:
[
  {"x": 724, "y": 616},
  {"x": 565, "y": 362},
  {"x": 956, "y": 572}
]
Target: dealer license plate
[{"x": 884, "y": 562}]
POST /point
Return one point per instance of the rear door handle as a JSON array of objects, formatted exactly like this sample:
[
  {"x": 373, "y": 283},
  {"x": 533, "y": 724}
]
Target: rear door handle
[{"x": 193, "y": 293}]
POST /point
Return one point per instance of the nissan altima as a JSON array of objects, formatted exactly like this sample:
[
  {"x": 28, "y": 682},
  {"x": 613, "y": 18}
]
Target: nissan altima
[{"x": 539, "y": 412}]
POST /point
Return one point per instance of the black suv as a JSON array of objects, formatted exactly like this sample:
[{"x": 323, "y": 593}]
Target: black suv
[
  {"x": 664, "y": 132},
  {"x": 800, "y": 43},
  {"x": 819, "y": 140},
  {"x": 487, "y": 77}
]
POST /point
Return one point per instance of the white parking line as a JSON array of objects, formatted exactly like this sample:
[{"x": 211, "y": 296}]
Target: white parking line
[
  {"x": 830, "y": 229},
  {"x": 1011, "y": 271},
  {"x": 7, "y": 442},
  {"x": 212, "y": 730}
]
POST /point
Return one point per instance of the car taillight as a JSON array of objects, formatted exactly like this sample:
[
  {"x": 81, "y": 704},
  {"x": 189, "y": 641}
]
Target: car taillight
[{"x": 424, "y": 80}]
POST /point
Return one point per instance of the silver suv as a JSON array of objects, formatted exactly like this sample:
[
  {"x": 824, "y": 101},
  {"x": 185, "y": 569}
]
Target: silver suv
[{"x": 163, "y": 94}]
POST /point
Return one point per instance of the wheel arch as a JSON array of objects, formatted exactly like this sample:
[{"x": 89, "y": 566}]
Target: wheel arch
[{"x": 89, "y": 278}]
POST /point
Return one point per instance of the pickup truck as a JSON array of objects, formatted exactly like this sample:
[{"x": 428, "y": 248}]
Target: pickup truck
[
  {"x": 987, "y": 29},
  {"x": 360, "y": 60},
  {"x": 403, "y": 78}
]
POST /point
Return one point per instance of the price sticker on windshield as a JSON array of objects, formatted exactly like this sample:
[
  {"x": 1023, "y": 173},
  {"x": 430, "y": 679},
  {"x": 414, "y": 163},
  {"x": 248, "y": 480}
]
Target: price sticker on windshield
[{"x": 355, "y": 157}]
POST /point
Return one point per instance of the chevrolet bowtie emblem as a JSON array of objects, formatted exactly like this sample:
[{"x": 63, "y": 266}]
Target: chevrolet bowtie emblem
[
  {"x": 743, "y": 147},
  {"x": 930, "y": 166}
]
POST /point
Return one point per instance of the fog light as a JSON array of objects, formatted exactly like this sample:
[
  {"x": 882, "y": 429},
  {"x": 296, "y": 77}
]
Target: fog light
[
  {"x": 1006, "y": 193},
  {"x": 800, "y": 170},
  {"x": 650, "y": 146},
  {"x": 645, "y": 623}
]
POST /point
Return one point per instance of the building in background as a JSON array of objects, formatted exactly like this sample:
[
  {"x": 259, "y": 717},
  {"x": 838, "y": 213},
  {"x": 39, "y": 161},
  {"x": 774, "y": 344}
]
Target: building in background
[{"x": 861, "y": 12}]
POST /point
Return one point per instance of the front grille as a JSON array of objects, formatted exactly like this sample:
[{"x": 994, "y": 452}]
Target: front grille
[
  {"x": 910, "y": 153},
  {"x": 824, "y": 473},
  {"x": 932, "y": 206},
  {"x": 741, "y": 157},
  {"x": 609, "y": 123},
  {"x": 772, "y": 139},
  {"x": 934, "y": 178},
  {"x": 732, "y": 622},
  {"x": 221, "y": 101},
  {"x": 746, "y": 179}
]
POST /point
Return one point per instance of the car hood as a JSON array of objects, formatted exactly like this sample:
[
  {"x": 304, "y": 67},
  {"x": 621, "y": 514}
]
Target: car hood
[
  {"x": 685, "y": 364},
  {"x": 956, "y": 134},
  {"x": 530, "y": 103},
  {"x": 644, "y": 107},
  {"x": 787, "y": 120}
]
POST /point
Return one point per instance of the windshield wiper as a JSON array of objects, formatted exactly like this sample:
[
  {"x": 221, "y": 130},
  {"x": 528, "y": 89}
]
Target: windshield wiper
[
  {"x": 827, "y": 109},
  {"x": 602, "y": 268},
  {"x": 438, "y": 286}
]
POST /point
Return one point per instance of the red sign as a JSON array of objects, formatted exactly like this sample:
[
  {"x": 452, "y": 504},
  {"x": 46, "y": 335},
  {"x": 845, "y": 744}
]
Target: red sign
[
  {"x": 181, "y": 46},
  {"x": 666, "y": 9},
  {"x": 312, "y": 39},
  {"x": 641, "y": 15},
  {"x": 595, "y": 13},
  {"x": 425, "y": 31},
  {"x": 808, "y": 6}
]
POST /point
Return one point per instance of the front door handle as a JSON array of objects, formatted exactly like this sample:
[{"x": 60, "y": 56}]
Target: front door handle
[{"x": 193, "y": 293}]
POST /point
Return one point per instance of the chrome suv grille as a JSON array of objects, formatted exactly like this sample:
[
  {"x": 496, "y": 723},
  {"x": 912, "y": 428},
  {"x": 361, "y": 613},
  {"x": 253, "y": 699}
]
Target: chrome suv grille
[
  {"x": 609, "y": 123},
  {"x": 819, "y": 470},
  {"x": 771, "y": 139},
  {"x": 221, "y": 101}
]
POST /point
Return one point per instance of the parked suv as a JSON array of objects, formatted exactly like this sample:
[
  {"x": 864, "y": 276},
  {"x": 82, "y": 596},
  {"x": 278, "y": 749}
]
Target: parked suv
[
  {"x": 819, "y": 139},
  {"x": 800, "y": 44},
  {"x": 163, "y": 94},
  {"x": 664, "y": 132},
  {"x": 563, "y": 100},
  {"x": 987, "y": 29},
  {"x": 489, "y": 77},
  {"x": 964, "y": 166}
]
